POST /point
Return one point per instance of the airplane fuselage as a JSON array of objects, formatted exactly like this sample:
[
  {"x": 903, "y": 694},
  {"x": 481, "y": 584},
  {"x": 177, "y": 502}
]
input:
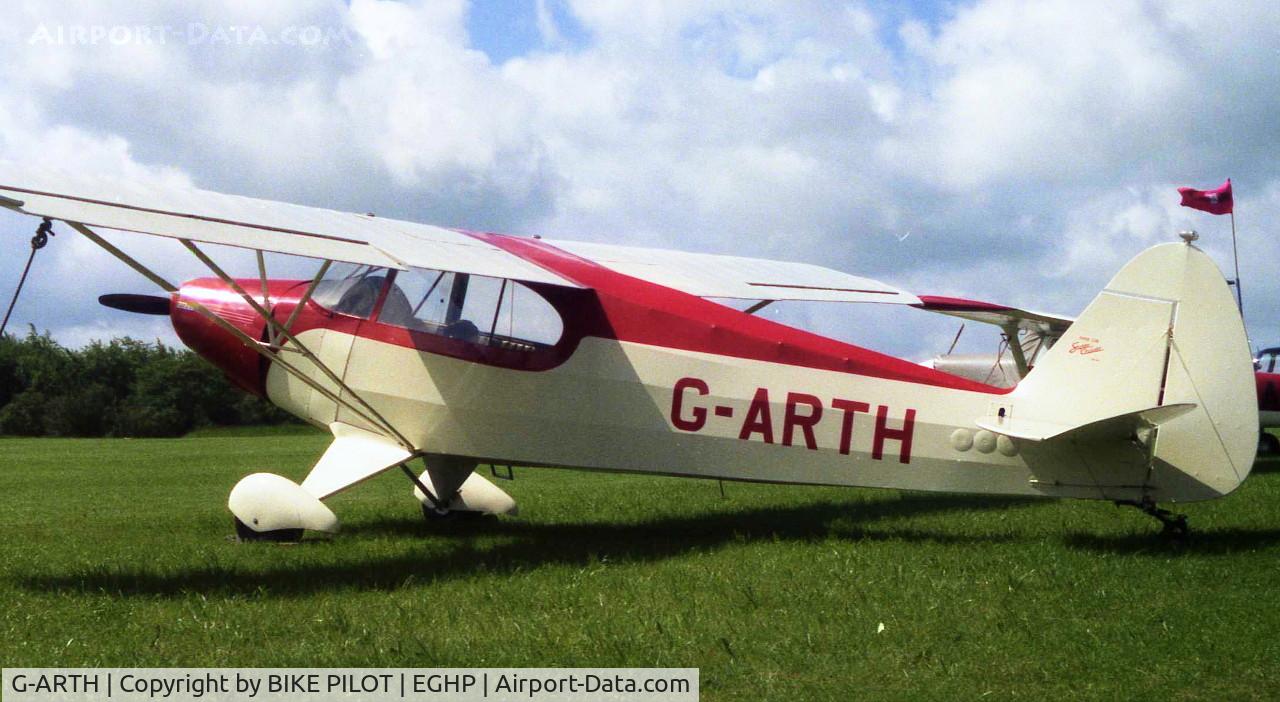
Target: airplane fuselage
[{"x": 649, "y": 379}]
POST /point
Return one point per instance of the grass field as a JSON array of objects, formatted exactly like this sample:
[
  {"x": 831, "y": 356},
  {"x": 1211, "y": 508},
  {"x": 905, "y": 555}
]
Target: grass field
[{"x": 117, "y": 553}]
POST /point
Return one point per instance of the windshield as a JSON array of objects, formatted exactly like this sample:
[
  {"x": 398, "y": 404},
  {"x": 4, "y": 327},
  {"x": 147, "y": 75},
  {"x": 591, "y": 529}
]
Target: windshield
[{"x": 350, "y": 289}]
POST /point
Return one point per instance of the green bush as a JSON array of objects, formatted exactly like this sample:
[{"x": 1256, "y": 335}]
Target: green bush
[
  {"x": 24, "y": 414},
  {"x": 147, "y": 420},
  {"x": 80, "y": 411},
  {"x": 122, "y": 387}
]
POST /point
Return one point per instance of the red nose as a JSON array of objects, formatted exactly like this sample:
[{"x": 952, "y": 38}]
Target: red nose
[{"x": 241, "y": 364}]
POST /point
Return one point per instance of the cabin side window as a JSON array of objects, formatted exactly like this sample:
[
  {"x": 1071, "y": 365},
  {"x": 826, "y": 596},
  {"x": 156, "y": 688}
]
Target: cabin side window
[
  {"x": 492, "y": 312},
  {"x": 1267, "y": 360}
]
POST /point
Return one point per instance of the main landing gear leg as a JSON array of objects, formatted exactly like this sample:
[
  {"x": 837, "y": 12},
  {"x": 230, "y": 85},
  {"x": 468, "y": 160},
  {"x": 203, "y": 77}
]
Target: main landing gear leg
[
  {"x": 450, "y": 488},
  {"x": 432, "y": 506},
  {"x": 1174, "y": 525},
  {"x": 438, "y": 487}
]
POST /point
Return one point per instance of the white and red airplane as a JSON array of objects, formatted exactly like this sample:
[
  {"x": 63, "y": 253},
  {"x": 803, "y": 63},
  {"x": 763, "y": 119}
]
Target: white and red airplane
[{"x": 463, "y": 348}]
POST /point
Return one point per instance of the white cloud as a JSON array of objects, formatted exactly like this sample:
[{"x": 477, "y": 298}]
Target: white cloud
[
  {"x": 1060, "y": 91},
  {"x": 1026, "y": 148},
  {"x": 548, "y": 30}
]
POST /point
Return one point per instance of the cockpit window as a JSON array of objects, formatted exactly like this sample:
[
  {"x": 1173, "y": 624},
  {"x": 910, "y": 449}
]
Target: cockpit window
[
  {"x": 1267, "y": 360},
  {"x": 477, "y": 309},
  {"x": 490, "y": 312},
  {"x": 351, "y": 289}
]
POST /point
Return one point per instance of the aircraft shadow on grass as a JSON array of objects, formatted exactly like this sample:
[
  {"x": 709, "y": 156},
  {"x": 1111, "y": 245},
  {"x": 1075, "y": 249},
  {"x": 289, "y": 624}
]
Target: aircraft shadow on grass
[
  {"x": 1199, "y": 543},
  {"x": 523, "y": 547},
  {"x": 1268, "y": 464}
]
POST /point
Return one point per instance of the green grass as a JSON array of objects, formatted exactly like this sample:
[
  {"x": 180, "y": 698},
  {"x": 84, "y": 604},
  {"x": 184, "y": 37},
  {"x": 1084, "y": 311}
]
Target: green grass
[
  {"x": 116, "y": 553},
  {"x": 256, "y": 430}
]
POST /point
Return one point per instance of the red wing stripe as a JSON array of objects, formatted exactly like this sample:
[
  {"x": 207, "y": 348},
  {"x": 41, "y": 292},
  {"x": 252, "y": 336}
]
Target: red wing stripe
[
  {"x": 938, "y": 303},
  {"x": 815, "y": 287}
]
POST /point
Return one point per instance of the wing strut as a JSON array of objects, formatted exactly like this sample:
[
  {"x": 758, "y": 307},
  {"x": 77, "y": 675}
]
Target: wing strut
[
  {"x": 1015, "y": 347},
  {"x": 306, "y": 296},
  {"x": 126, "y": 259},
  {"x": 272, "y": 323},
  {"x": 266, "y": 299},
  {"x": 270, "y": 353}
]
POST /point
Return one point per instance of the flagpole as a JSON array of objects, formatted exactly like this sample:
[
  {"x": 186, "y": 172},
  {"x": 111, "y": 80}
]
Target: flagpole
[
  {"x": 1235, "y": 254},
  {"x": 1218, "y": 201}
]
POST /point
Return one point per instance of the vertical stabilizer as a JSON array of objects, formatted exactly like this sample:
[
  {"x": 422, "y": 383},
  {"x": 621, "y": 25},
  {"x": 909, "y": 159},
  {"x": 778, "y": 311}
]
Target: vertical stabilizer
[{"x": 1165, "y": 332}]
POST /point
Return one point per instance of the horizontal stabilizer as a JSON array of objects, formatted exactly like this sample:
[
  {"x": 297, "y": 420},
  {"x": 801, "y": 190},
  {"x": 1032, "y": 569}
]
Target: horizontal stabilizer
[{"x": 1119, "y": 425}]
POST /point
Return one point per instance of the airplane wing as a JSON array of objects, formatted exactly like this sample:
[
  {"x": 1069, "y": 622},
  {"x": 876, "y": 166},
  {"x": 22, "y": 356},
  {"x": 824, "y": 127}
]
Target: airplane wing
[
  {"x": 999, "y": 315},
  {"x": 736, "y": 277},
  {"x": 204, "y": 216},
  {"x": 232, "y": 220}
]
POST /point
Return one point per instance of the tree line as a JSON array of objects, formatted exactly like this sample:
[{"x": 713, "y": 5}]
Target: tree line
[{"x": 122, "y": 387}]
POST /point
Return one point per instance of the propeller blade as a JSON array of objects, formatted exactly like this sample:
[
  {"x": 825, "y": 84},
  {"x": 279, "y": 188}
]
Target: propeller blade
[{"x": 142, "y": 304}]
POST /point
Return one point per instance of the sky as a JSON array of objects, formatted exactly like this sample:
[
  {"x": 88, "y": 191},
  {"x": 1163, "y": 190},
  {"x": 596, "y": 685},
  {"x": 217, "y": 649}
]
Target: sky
[{"x": 1018, "y": 152}]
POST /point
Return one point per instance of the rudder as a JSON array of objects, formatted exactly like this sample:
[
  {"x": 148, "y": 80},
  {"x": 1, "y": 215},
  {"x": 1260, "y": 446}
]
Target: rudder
[{"x": 1165, "y": 331}]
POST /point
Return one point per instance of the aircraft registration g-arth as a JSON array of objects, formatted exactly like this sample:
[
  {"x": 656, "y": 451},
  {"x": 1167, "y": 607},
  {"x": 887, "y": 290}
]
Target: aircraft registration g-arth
[{"x": 457, "y": 348}]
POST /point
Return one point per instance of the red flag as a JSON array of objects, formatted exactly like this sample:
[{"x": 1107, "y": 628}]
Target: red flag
[{"x": 1216, "y": 201}]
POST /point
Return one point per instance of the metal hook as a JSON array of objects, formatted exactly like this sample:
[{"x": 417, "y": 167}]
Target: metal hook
[{"x": 43, "y": 232}]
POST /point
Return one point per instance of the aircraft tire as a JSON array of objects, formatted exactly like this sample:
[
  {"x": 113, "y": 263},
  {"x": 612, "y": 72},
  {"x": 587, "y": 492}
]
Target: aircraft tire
[
  {"x": 283, "y": 536},
  {"x": 1268, "y": 444},
  {"x": 431, "y": 516}
]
